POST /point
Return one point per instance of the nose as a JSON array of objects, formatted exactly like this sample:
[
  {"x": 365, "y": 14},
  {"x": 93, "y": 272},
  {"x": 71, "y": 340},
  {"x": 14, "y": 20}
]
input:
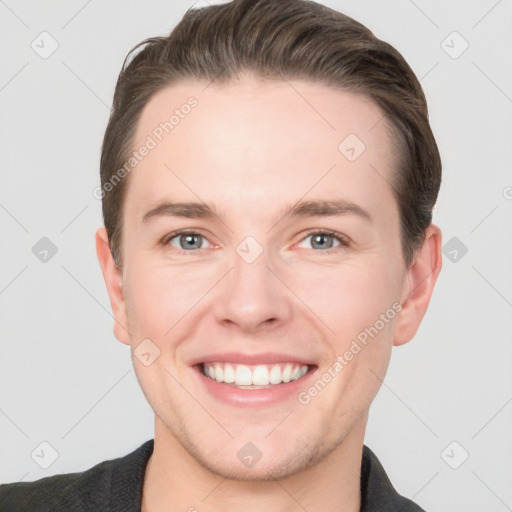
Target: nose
[{"x": 252, "y": 297}]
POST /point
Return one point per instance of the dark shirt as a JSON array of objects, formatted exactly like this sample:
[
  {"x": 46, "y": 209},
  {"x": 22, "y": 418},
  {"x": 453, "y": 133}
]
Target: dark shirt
[{"x": 116, "y": 486}]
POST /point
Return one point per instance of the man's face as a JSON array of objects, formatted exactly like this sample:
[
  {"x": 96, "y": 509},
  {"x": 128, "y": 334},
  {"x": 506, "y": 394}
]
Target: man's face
[{"x": 253, "y": 287}]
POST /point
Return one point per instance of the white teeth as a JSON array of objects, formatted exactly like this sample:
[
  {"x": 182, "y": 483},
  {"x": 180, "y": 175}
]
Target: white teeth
[
  {"x": 229, "y": 374},
  {"x": 243, "y": 376},
  {"x": 275, "y": 375},
  {"x": 295, "y": 373},
  {"x": 219, "y": 373},
  {"x": 259, "y": 375},
  {"x": 287, "y": 373}
]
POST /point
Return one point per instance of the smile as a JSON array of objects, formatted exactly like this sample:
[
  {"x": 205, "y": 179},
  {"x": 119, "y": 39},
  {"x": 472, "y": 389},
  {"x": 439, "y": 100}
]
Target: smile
[{"x": 254, "y": 376}]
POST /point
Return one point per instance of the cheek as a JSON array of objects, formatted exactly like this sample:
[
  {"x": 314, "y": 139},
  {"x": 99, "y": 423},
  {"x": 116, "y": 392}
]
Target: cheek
[
  {"x": 347, "y": 299},
  {"x": 159, "y": 297},
  {"x": 344, "y": 298}
]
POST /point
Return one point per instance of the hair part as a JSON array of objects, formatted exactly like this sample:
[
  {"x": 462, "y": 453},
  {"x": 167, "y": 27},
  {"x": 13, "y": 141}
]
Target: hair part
[{"x": 287, "y": 39}]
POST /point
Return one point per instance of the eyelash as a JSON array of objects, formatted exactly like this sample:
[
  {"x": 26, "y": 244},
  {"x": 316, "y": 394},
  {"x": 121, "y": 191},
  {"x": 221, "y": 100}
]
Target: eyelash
[{"x": 342, "y": 239}]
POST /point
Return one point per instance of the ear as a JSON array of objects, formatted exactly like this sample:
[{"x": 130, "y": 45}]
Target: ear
[
  {"x": 113, "y": 277},
  {"x": 418, "y": 286}
]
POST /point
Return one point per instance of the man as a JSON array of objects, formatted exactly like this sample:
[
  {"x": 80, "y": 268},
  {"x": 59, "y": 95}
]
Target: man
[{"x": 268, "y": 177}]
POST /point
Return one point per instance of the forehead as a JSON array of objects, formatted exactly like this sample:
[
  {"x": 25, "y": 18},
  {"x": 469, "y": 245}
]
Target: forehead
[{"x": 253, "y": 140}]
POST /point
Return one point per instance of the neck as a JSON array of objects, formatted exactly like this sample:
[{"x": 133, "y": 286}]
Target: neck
[{"x": 174, "y": 481}]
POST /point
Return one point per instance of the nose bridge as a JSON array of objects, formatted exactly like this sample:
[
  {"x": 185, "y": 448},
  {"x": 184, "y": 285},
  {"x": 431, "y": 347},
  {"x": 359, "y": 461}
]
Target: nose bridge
[{"x": 252, "y": 295}]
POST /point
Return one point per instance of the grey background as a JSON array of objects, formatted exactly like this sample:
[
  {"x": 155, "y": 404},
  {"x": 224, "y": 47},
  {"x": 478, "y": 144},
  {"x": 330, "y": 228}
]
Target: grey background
[{"x": 67, "y": 381}]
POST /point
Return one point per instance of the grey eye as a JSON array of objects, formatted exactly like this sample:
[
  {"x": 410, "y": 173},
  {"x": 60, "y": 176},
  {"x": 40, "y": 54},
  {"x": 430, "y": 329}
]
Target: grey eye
[
  {"x": 187, "y": 241},
  {"x": 321, "y": 241}
]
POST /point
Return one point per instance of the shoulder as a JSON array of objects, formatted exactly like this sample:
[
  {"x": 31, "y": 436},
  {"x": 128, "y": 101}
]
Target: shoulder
[
  {"x": 117, "y": 481},
  {"x": 58, "y": 492},
  {"x": 377, "y": 489}
]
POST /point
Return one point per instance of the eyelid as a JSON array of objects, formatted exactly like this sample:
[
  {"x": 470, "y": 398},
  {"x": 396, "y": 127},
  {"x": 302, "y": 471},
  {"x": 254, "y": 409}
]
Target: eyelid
[
  {"x": 344, "y": 240},
  {"x": 188, "y": 231}
]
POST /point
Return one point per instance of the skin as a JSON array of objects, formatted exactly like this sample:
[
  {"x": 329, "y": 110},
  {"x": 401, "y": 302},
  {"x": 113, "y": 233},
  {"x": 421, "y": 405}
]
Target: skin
[{"x": 252, "y": 147}]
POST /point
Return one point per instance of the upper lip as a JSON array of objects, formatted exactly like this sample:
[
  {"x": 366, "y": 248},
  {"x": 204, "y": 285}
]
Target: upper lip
[{"x": 250, "y": 359}]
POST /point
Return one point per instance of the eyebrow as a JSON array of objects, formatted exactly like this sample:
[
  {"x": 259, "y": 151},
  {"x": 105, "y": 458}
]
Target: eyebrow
[{"x": 309, "y": 208}]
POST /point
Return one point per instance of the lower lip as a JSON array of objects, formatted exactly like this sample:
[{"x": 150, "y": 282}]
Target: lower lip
[{"x": 249, "y": 397}]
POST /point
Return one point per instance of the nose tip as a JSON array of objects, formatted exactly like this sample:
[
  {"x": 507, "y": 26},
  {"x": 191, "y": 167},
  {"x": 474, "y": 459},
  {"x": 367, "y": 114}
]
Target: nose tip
[{"x": 251, "y": 296}]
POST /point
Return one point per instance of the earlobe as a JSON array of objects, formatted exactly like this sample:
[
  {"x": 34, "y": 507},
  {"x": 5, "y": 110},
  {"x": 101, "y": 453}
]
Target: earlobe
[
  {"x": 419, "y": 286},
  {"x": 113, "y": 277}
]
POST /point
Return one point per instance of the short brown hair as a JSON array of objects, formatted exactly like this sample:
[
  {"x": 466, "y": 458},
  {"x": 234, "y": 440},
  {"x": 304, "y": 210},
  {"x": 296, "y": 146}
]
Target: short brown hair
[{"x": 287, "y": 39}]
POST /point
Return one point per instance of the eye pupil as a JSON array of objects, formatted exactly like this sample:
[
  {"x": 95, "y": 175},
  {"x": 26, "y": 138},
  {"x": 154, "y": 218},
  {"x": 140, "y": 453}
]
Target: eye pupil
[
  {"x": 192, "y": 241},
  {"x": 318, "y": 238},
  {"x": 189, "y": 241}
]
